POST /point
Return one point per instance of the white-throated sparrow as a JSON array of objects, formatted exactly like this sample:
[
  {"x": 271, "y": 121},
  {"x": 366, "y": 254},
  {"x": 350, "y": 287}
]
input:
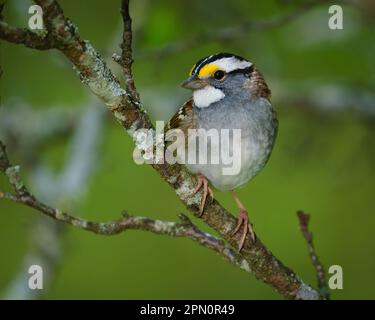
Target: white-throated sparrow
[{"x": 229, "y": 93}]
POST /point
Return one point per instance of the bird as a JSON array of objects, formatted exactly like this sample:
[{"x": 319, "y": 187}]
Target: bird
[{"x": 228, "y": 92}]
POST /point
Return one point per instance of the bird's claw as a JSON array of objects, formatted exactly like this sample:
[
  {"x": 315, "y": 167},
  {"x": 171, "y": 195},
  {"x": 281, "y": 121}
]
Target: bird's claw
[
  {"x": 243, "y": 220},
  {"x": 203, "y": 183}
]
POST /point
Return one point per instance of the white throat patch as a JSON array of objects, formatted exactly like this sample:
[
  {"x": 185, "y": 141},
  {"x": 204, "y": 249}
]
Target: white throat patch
[{"x": 207, "y": 95}]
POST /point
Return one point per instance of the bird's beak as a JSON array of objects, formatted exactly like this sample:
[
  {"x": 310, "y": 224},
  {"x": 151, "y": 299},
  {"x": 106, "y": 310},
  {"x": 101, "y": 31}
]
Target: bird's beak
[{"x": 194, "y": 83}]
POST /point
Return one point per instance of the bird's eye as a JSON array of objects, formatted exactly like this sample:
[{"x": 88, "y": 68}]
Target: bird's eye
[{"x": 219, "y": 75}]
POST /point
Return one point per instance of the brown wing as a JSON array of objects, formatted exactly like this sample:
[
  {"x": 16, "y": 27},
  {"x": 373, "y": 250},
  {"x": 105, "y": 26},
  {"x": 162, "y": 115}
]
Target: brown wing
[
  {"x": 258, "y": 85},
  {"x": 183, "y": 119}
]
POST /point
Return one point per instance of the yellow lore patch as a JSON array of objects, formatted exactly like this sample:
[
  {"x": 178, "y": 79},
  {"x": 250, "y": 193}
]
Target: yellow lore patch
[{"x": 207, "y": 70}]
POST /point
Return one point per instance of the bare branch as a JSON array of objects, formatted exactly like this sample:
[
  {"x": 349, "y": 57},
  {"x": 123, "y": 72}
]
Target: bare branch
[
  {"x": 126, "y": 48},
  {"x": 91, "y": 68},
  {"x": 183, "y": 229},
  {"x": 25, "y": 37},
  {"x": 12, "y": 172},
  {"x": 98, "y": 77},
  {"x": 304, "y": 219}
]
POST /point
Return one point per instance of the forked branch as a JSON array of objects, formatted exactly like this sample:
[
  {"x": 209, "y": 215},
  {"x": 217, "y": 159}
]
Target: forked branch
[{"x": 304, "y": 219}]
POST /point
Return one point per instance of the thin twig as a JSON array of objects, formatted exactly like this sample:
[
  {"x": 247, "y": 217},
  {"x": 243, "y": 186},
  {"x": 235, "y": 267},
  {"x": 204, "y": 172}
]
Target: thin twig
[
  {"x": 26, "y": 37},
  {"x": 126, "y": 50},
  {"x": 183, "y": 229},
  {"x": 304, "y": 219}
]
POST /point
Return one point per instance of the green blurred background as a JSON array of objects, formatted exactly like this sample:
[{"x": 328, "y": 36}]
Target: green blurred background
[{"x": 323, "y": 162}]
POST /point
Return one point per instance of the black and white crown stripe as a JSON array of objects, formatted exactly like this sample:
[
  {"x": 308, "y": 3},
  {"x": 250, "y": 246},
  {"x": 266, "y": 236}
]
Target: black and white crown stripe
[{"x": 226, "y": 61}]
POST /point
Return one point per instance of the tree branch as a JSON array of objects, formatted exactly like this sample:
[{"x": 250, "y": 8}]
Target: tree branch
[
  {"x": 98, "y": 77},
  {"x": 304, "y": 219},
  {"x": 25, "y": 37},
  {"x": 126, "y": 50},
  {"x": 183, "y": 229}
]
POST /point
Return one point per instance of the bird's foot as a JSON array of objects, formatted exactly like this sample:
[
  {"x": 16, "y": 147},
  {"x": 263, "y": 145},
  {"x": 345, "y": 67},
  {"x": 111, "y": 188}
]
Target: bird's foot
[
  {"x": 243, "y": 220},
  {"x": 203, "y": 183}
]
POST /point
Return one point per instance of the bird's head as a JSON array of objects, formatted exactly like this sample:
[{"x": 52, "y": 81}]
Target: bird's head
[{"x": 215, "y": 76}]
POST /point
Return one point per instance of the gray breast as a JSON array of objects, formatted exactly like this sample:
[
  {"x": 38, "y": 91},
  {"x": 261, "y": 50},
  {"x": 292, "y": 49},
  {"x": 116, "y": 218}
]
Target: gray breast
[{"x": 257, "y": 122}]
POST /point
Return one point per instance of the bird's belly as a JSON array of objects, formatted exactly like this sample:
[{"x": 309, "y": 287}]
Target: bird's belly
[{"x": 247, "y": 161}]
